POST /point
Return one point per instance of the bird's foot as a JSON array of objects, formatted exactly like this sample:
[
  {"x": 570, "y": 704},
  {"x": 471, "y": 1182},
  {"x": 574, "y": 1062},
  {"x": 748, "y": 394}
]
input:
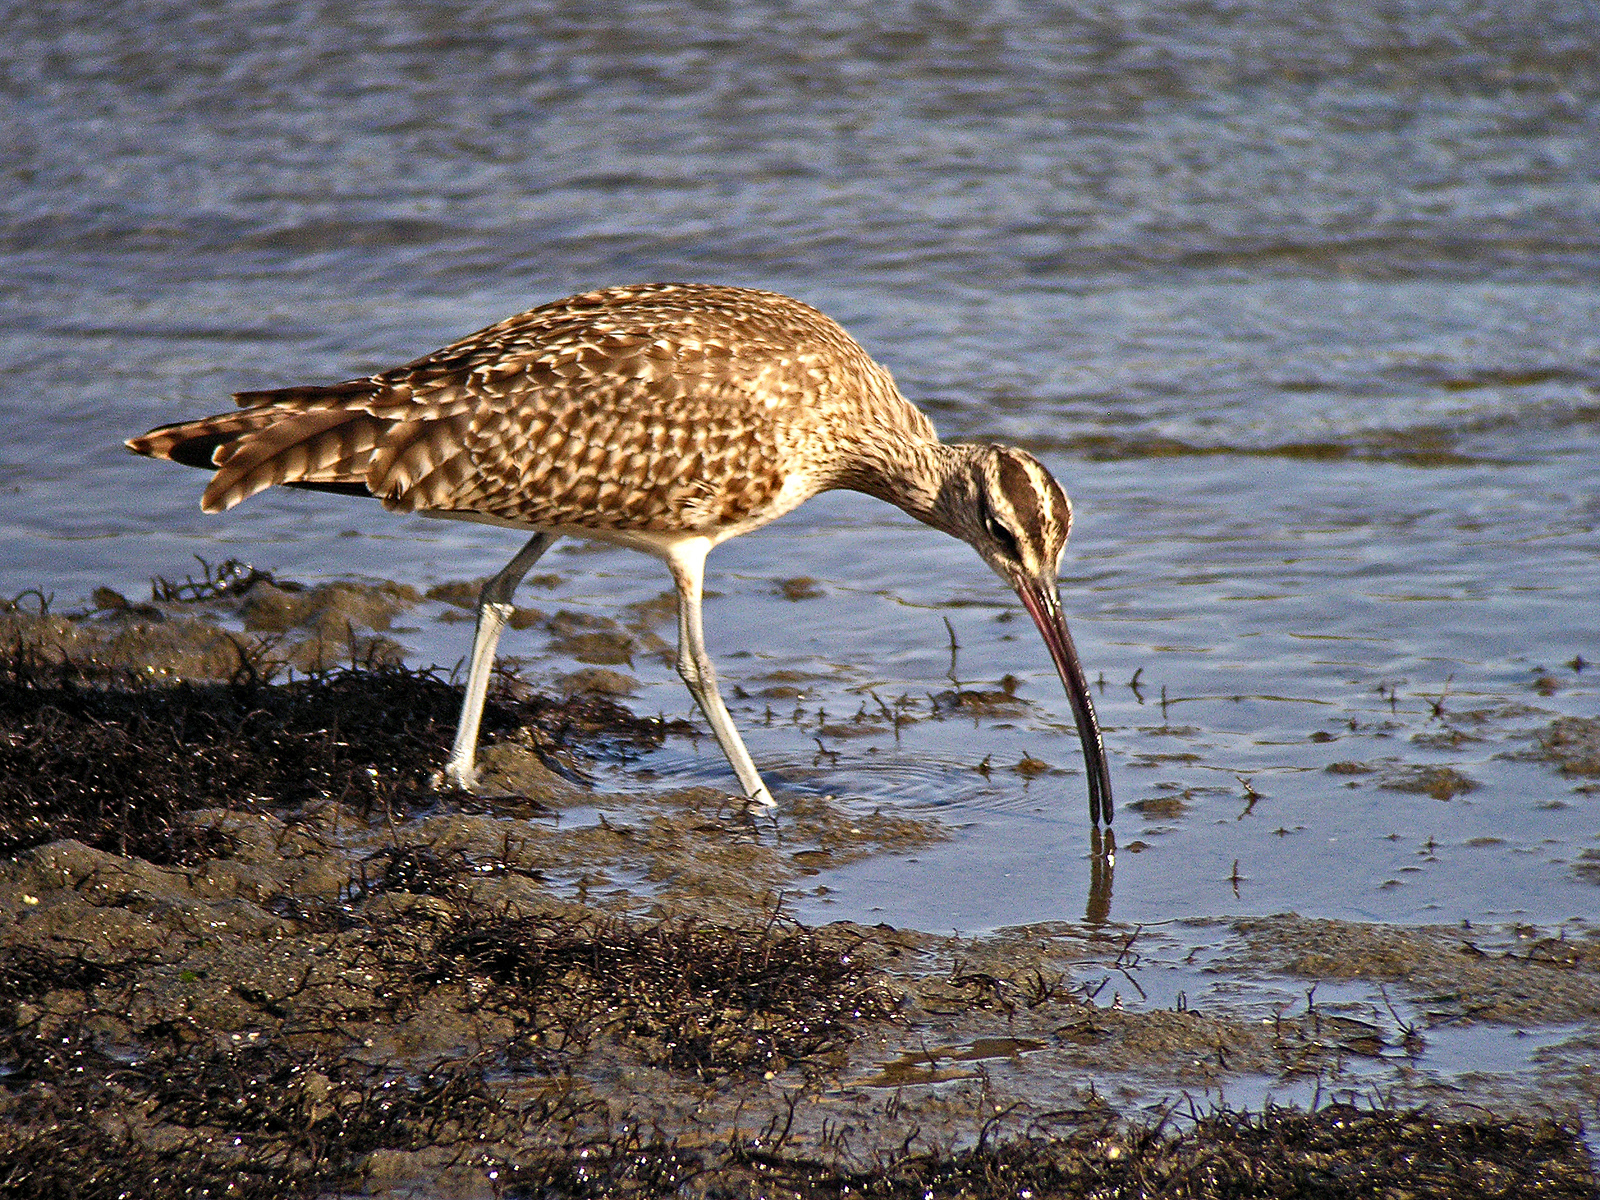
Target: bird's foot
[{"x": 455, "y": 777}]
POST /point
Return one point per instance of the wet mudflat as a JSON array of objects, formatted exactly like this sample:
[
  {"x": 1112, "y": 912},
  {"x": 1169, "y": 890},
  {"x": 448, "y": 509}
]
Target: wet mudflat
[
  {"x": 1297, "y": 302},
  {"x": 245, "y": 949}
]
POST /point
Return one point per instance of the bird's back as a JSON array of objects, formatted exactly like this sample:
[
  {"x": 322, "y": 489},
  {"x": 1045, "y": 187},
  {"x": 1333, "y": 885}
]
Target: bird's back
[{"x": 664, "y": 407}]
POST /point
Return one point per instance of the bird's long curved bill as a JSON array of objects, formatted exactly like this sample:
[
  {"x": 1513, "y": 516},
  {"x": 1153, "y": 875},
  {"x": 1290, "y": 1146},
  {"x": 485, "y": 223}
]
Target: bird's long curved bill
[{"x": 1044, "y": 606}]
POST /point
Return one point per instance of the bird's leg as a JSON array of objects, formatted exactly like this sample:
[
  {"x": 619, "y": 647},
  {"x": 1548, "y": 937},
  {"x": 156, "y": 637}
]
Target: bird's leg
[
  {"x": 494, "y": 610},
  {"x": 688, "y": 563}
]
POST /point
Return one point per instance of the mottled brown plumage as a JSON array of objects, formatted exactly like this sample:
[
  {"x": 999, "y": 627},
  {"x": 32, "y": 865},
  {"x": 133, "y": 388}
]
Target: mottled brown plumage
[
  {"x": 667, "y": 417},
  {"x": 663, "y": 408}
]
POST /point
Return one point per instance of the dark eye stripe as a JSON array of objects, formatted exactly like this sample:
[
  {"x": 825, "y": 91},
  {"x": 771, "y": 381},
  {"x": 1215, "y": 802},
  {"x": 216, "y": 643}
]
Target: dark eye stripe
[{"x": 1003, "y": 537}]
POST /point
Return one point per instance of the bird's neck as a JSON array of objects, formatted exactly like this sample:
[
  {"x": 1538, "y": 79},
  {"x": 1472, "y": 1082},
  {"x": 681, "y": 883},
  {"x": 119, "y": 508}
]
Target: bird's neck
[{"x": 918, "y": 475}]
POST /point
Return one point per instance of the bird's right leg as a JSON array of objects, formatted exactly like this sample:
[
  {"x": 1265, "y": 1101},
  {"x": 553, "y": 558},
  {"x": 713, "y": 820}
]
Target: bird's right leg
[
  {"x": 494, "y": 610},
  {"x": 688, "y": 563}
]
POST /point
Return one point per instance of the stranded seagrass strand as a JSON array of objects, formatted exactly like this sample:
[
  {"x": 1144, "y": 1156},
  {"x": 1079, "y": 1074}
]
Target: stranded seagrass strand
[{"x": 664, "y": 417}]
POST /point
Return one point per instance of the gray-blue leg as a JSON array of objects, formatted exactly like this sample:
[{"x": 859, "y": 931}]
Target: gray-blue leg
[
  {"x": 494, "y": 610},
  {"x": 688, "y": 562}
]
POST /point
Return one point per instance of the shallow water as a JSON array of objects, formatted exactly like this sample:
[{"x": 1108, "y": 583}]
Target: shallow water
[{"x": 1299, "y": 304}]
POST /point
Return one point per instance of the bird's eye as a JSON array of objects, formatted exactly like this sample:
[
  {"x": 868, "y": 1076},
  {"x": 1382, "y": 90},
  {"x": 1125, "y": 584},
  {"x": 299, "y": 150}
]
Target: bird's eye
[{"x": 1003, "y": 538}]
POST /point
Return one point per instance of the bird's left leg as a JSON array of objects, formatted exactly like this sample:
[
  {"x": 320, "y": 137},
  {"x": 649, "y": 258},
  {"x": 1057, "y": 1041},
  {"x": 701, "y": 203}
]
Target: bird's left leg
[
  {"x": 687, "y": 560},
  {"x": 494, "y": 610}
]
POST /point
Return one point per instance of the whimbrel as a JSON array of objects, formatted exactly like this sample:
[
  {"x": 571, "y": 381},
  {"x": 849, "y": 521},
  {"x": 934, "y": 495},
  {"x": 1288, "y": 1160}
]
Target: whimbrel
[{"x": 667, "y": 418}]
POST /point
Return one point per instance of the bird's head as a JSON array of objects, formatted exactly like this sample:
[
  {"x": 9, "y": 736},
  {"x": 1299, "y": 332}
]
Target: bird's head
[
  {"x": 1012, "y": 512},
  {"x": 1004, "y": 504}
]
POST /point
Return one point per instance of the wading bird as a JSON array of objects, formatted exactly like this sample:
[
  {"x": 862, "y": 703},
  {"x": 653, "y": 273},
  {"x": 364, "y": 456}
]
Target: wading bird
[{"x": 666, "y": 418}]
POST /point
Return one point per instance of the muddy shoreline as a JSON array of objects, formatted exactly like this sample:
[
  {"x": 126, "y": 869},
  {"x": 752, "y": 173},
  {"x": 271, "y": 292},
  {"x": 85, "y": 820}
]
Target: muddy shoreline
[{"x": 246, "y": 950}]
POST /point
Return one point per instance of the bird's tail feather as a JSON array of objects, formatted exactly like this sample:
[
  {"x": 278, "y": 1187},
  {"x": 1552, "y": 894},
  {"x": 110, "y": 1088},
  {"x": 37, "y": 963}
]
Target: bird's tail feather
[
  {"x": 352, "y": 437},
  {"x": 303, "y": 437}
]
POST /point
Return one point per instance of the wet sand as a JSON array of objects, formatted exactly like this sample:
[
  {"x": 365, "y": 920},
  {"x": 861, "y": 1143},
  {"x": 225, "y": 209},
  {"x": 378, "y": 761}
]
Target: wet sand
[{"x": 244, "y": 947}]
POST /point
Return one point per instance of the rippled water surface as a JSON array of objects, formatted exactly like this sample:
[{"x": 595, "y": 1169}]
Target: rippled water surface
[{"x": 1298, "y": 301}]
